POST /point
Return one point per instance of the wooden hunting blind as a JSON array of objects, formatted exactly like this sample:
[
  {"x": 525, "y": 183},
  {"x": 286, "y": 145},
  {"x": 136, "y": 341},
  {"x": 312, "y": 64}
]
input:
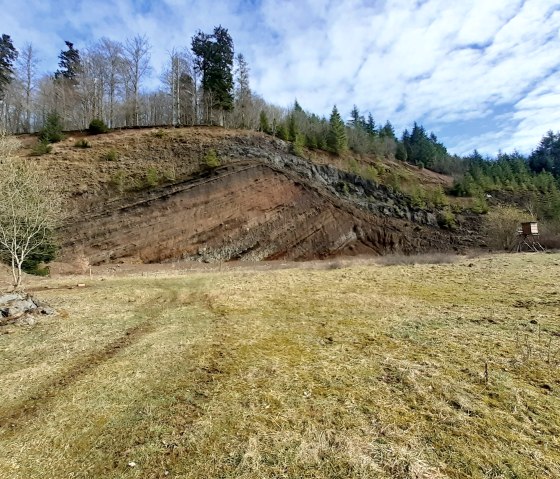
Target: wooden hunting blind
[
  {"x": 528, "y": 238},
  {"x": 530, "y": 228}
]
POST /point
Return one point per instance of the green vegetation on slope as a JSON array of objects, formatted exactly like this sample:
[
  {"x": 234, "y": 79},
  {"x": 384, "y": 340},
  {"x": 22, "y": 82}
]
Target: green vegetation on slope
[{"x": 367, "y": 371}]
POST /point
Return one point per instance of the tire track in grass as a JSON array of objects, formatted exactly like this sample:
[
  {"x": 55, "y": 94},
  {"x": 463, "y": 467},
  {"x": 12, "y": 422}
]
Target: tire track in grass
[{"x": 48, "y": 390}]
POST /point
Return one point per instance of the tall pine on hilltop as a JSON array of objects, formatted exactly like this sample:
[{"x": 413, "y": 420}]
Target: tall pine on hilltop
[
  {"x": 214, "y": 62},
  {"x": 70, "y": 63}
]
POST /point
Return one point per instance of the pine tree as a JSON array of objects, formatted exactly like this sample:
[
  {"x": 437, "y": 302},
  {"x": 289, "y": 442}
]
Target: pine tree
[
  {"x": 337, "y": 141},
  {"x": 401, "y": 153},
  {"x": 8, "y": 55},
  {"x": 388, "y": 131},
  {"x": 214, "y": 61},
  {"x": 264, "y": 126},
  {"x": 370, "y": 125},
  {"x": 70, "y": 63},
  {"x": 355, "y": 117},
  {"x": 293, "y": 130}
]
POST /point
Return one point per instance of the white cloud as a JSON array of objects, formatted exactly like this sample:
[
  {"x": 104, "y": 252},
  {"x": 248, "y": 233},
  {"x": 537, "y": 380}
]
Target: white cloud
[{"x": 445, "y": 64}]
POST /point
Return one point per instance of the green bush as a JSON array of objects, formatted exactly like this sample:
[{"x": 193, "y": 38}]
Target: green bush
[
  {"x": 480, "y": 205},
  {"x": 82, "y": 144},
  {"x": 211, "y": 159},
  {"x": 34, "y": 263},
  {"x": 52, "y": 130},
  {"x": 353, "y": 166},
  {"x": 371, "y": 173},
  {"x": 97, "y": 127},
  {"x": 446, "y": 219},
  {"x": 501, "y": 224},
  {"x": 438, "y": 198},
  {"x": 298, "y": 144},
  {"x": 159, "y": 133},
  {"x": 41, "y": 148},
  {"x": 418, "y": 197},
  {"x": 118, "y": 181},
  {"x": 111, "y": 155},
  {"x": 151, "y": 178}
]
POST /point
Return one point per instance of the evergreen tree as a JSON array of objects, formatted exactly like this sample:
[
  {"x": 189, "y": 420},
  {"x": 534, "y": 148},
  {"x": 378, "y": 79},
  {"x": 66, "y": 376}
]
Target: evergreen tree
[
  {"x": 547, "y": 155},
  {"x": 370, "y": 125},
  {"x": 293, "y": 129},
  {"x": 264, "y": 126},
  {"x": 337, "y": 140},
  {"x": 214, "y": 61},
  {"x": 8, "y": 55},
  {"x": 388, "y": 131},
  {"x": 355, "y": 118},
  {"x": 401, "y": 153},
  {"x": 70, "y": 63},
  {"x": 282, "y": 132}
]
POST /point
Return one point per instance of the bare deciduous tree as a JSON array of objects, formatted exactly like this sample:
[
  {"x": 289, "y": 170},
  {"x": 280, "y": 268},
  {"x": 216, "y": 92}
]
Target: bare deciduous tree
[
  {"x": 179, "y": 79},
  {"x": 137, "y": 64},
  {"x": 113, "y": 71},
  {"x": 27, "y": 75},
  {"x": 29, "y": 210}
]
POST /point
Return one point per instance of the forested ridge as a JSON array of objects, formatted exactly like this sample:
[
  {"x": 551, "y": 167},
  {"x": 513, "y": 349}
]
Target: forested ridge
[{"x": 209, "y": 83}]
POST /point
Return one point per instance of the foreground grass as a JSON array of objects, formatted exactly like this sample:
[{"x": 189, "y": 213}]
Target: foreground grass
[{"x": 366, "y": 371}]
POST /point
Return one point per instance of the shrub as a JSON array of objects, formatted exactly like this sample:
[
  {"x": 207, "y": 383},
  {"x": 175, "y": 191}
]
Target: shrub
[
  {"x": 82, "y": 144},
  {"x": 446, "y": 219},
  {"x": 550, "y": 234},
  {"x": 118, "y": 181},
  {"x": 501, "y": 226},
  {"x": 170, "y": 174},
  {"x": 35, "y": 261},
  {"x": 151, "y": 178},
  {"x": 41, "y": 148},
  {"x": 159, "y": 133},
  {"x": 211, "y": 159},
  {"x": 438, "y": 198},
  {"x": 298, "y": 144},
  {"x": 480, "y": 205},
  {"x": 418, "y": 197},
  {"x": 97, "y": 127},
  {"x": 52, "y": 130},
  {"x": 353, "y": 166},
  {"x": 111, "y": 155}
]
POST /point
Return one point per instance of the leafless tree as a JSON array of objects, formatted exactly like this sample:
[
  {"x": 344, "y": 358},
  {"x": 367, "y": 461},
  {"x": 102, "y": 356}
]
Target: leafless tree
[
  {"x": 137, "y": 65},
  {"x": 27, "y": 75},
  {"x": 112, "y": 74},
  {"x": 243, "y": 96},
  {"x": 29, "y": 210},
  {"x": 179, "y": 79}
]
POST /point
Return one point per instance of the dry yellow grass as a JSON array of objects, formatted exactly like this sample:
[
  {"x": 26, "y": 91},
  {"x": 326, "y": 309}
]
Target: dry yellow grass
[{"x": 367, "y": 371}]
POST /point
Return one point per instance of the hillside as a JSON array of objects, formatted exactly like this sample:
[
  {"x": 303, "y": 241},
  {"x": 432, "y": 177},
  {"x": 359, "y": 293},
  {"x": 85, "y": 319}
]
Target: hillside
[{"x": 148, "y": 196}]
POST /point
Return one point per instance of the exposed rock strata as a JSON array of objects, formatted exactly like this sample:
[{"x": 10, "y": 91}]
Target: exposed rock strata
[{"x": 264, "y": 204}]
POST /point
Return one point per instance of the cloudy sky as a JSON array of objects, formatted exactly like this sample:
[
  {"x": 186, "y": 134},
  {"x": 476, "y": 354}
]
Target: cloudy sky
[{"x": 480, "y": 73}]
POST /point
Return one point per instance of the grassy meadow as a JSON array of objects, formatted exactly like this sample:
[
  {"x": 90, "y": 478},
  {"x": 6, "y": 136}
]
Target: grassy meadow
[{"x": 364, "y": 371}]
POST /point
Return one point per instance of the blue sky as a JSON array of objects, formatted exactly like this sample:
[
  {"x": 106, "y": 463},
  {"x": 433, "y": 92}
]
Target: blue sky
[{"x": 480, "y": 73}]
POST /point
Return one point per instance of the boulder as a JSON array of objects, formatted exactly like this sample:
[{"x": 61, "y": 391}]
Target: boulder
[{"x": 22, "y": 309}]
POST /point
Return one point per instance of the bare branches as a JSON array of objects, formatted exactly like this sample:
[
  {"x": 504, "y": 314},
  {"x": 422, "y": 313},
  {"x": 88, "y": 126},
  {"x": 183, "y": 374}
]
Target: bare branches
[{"x": 29, "y": 207}]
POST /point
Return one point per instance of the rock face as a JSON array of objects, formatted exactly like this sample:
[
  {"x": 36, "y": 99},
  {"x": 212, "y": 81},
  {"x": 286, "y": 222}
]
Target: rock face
[
  {"x": 21, "y": 309},
  {"x": 264, "y": 204}
]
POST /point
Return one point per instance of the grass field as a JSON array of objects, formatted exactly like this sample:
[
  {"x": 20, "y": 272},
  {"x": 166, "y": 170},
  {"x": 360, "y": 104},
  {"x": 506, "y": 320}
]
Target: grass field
[{"x": 367, "y": 371}]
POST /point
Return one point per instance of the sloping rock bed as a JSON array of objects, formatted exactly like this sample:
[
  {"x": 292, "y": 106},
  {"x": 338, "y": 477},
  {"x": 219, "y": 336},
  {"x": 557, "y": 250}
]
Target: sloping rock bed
[{"x": 21, "y": 309}]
